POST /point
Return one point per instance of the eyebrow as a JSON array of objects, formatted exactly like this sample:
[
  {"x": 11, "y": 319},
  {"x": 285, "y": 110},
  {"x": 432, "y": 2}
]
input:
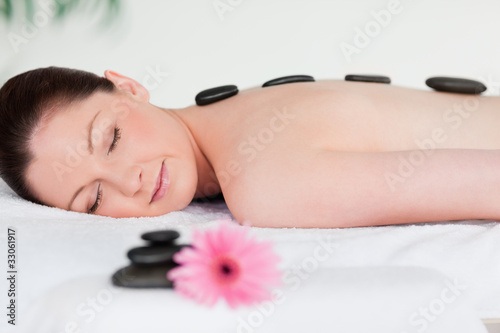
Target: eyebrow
[{"x": 90, "y": 148}]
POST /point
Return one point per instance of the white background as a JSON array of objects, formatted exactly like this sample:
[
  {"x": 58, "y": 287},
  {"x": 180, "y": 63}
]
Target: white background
[{"x": 200, "y": 47}]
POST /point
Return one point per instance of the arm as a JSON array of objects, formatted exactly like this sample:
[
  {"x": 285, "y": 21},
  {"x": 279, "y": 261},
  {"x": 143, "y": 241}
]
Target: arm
[{"x": 352, "y": 189}]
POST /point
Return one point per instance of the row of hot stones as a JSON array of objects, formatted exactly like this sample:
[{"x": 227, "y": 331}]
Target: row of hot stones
[
  {"x": 150, "y": 264},
  {"x": 438, "y": 83}
]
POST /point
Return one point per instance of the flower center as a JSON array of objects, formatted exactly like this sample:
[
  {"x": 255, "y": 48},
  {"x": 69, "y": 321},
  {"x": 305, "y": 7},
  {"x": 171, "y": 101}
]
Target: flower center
[{"x": 226, "y": 270}]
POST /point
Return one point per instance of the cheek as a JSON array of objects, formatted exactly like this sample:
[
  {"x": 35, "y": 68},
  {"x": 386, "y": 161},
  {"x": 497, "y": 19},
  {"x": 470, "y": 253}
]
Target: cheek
[
  {"x": 119, "y": 210},
  {"x": 157, "y": 132},
  {"x": 140, "y": 133}
]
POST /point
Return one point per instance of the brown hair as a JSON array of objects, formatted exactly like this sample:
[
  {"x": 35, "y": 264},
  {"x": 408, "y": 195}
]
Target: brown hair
[{"x": 24, "y": 101}]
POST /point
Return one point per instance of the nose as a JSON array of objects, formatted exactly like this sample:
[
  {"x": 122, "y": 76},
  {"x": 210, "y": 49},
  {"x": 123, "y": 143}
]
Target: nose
[{"x": 126, "y": 179}]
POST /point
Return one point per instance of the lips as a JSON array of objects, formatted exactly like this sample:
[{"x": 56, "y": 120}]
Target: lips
[{"x": 162, "y": 184}]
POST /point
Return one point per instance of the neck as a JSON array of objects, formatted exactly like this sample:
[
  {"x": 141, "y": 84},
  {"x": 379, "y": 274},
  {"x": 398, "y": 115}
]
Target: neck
[{"x": 207, "y": 181}]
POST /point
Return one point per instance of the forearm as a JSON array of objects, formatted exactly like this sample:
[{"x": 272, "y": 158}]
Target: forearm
[
  {"x": 438, "y": 185},
  {"x": 348, "y": 189}
]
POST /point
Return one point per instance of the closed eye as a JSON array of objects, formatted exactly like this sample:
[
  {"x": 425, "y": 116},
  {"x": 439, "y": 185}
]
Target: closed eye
[
  {"x": 116, "y": 138},
  {"x": 97, "y": 203}
]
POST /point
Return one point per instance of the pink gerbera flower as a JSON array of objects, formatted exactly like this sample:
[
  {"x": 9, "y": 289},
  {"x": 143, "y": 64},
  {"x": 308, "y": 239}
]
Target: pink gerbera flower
[{"x": 228, "y": 263}]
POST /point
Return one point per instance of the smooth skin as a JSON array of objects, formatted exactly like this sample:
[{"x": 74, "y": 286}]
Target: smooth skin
[{"x": 314, "y": 154}]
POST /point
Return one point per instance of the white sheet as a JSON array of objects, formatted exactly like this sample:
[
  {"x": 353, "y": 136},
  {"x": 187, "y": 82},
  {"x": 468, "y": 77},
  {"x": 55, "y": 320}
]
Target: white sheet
[
  {"x": 58, "y": 250},
  {"x": 372, "y": 299}
]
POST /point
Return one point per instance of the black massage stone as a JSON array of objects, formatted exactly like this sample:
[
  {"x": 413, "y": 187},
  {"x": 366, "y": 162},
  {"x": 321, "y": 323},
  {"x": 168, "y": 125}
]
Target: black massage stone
[
  {"x": 368, "y": 78},
  {"x": 288, "y": 79},
  {"x": 153, "y": 255},
  {"x": 216, "y": 94},
  {"x": 162, "y": 237},
  {"x": 455, "y": 85},
  {"x": 144, "y": 276},
  {"x": 150, "y": 264}
]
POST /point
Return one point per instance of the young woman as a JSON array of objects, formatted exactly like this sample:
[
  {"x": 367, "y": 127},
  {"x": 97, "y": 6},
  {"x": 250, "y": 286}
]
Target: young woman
[{"x": 308, "y": 154}]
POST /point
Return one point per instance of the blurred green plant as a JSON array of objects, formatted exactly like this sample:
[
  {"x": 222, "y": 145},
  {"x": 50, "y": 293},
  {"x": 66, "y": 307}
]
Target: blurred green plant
[{"x": 9, "y": 9}]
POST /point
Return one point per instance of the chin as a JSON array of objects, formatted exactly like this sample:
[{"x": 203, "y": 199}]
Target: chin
[{"x": 182, "y": 202}]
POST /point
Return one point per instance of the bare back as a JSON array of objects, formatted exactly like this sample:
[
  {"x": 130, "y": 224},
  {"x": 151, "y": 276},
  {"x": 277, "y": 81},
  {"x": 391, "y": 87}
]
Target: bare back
[{"x": 263, "y": 138}]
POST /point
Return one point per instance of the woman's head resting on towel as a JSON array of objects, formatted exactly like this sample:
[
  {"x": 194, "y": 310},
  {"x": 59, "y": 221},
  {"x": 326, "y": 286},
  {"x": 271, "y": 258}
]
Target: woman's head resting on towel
[{"x": 77, "y": 141}]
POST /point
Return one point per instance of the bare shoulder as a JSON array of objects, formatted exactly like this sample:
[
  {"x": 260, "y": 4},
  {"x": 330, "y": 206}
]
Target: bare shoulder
[
  {"x": 253, "y": 200},
  {"x": 276, "y": 190}
]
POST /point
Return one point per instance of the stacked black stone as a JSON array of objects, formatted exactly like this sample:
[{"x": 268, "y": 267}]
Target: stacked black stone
[{"x": 150, "y": 263}]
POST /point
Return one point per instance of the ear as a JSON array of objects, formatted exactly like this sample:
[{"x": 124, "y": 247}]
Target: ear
[{"x": 127, "y": 85}]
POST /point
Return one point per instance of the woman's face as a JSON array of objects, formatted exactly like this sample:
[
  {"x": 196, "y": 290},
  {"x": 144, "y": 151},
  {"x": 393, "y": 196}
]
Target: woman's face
[{"x": 106, "y": 155}]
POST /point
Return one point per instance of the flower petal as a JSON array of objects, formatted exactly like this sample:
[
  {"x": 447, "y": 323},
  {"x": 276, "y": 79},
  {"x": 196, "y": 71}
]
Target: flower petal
[{"x": 232, "y": 249}]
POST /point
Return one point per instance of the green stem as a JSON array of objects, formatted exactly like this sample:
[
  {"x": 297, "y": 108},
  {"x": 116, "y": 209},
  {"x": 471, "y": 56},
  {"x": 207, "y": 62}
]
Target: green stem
[
  {"x": 6, "y": 9},
  {"x": 30, "y": 9}
]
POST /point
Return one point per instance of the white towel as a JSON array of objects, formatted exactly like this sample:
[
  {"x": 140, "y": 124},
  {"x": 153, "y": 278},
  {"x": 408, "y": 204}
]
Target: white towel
[{"x": 55, "y": 246}]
